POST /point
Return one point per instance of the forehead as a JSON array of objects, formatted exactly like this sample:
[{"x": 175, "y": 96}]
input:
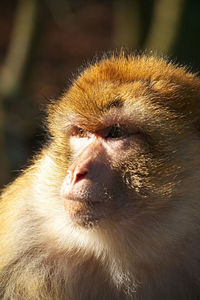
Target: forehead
[
  {"x": 124, "y": 78},
  {"x": 102, "y": 95},
  {"x": 129, "y": 83}
]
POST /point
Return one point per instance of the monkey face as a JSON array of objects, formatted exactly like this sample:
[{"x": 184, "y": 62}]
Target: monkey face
[
  {"x": 95, "y": 187},
  {"x": 125, "y": 129}
]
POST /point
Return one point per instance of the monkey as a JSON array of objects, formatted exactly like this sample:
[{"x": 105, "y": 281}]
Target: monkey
[{"x": 110, "y": 206}]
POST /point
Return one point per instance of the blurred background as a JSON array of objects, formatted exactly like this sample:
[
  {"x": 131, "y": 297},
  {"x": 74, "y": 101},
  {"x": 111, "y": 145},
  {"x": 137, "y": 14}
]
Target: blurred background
[{"x": 44, "y": 42}]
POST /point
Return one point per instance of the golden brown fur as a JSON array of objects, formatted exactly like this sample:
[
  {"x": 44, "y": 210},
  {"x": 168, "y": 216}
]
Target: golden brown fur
[{"x": 149, "y": 248}]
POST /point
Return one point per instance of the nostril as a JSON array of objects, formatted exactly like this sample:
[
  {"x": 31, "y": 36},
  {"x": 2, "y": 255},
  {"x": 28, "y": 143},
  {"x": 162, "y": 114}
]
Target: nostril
[{"x": 80, "y": 175}]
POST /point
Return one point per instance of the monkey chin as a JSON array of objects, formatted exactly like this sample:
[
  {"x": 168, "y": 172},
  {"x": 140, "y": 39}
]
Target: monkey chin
[{"x": 86, "y": 214}]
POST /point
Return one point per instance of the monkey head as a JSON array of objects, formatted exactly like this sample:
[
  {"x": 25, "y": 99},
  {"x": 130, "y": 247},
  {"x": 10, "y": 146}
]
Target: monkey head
[{"x": 122, "y": 135}]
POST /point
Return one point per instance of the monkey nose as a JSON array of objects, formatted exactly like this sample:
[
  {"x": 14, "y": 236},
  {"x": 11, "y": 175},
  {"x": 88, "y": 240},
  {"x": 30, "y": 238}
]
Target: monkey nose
[{"x": 74, "y": 176}]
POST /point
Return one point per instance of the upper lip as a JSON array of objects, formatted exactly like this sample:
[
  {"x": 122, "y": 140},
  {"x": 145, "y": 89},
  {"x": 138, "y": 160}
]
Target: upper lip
[{"x": 86, "y": 200}]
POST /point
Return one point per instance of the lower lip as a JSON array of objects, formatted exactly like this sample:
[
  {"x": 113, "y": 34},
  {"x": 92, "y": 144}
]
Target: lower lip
[{"x": 83, "y": 201}]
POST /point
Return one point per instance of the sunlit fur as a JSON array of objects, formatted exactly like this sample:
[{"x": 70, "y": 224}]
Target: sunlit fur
[{"x": 148, "y": 250}]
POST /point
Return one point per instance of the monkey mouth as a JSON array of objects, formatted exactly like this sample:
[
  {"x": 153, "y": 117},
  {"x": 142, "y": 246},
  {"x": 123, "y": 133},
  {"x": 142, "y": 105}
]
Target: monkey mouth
[
  {"x": 84, "y": 212},
  {"x": 84, "y": 200}
]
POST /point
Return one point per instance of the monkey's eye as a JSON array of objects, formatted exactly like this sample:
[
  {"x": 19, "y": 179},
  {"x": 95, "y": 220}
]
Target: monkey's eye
[
  {"x": 80, "y": 132},
  {"x": 116, "y": 131}
]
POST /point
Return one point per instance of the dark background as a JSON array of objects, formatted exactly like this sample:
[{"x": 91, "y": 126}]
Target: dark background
[{"x": 44, "y": 42}]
